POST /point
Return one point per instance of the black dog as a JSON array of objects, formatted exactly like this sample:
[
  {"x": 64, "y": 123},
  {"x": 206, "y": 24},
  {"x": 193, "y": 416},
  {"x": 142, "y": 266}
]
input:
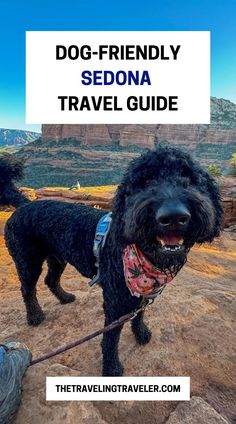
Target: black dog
[{"x": 165, "y": 203}]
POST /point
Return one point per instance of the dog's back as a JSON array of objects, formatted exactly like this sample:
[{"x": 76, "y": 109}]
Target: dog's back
[
  {"x": 57, "y": 232},
  {"x": 47, "y": 227}
]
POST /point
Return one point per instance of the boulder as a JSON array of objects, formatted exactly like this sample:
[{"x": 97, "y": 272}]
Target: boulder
[
  {"x": 196, "y": 411},
  {"x": 36, "y": 410}
]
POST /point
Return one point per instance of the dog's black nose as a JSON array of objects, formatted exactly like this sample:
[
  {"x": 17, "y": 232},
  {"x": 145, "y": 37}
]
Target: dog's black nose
[{"x": 173, "y": 215}]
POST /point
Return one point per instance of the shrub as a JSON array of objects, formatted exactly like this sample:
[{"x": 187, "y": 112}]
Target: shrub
[
  {"x": 214, "y": 170},
  {"x": 232, "y": 165}
]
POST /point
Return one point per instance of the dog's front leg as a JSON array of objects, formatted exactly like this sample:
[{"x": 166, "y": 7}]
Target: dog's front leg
[
  {"x": 140, "y": 329},
  {"x": 111, "y": 363}
]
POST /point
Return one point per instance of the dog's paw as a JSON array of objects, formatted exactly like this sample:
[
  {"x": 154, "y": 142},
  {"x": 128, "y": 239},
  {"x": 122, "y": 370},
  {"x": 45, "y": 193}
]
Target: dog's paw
[
  {"x": 36, "y": 319},
  {"x": 143, "y": 335},
  {"x": 116, "y": 371},
  {"x": 67, "y": 298}
]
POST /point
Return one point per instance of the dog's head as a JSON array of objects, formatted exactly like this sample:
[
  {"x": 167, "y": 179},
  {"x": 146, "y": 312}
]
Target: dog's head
[{"x": 166, "y": 203}]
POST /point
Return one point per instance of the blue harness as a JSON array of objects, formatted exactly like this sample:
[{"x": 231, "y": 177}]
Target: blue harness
[{"x": 102, "y": 231}]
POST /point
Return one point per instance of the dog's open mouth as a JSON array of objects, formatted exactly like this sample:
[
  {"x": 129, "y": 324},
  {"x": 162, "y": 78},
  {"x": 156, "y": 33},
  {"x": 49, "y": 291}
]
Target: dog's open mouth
[{"x": 171, "y": 243}]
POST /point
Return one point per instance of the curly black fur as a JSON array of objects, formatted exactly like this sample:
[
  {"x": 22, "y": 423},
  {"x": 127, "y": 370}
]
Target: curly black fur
[
  {"x": 11, "y": 171},
  {"x": 62, "y": 233}
]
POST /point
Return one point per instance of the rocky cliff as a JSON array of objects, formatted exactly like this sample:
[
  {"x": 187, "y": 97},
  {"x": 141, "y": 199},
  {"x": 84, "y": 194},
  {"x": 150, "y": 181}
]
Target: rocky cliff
[
  {"x": 139, "y": 135},
  {"x": 221, "y": 130},
  {"x": 99, "y": 154}
]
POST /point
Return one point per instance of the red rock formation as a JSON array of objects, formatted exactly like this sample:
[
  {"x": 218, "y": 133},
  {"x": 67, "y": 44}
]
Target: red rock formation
[
  {"x": 52, "y": 132},
  {"x": 139, "y": 135},
  {"x": 182, "y": 134},
  {"x": 221, "y": 130},
  {"x": 97, "y": 135},
  {"x": 215, "y": 135},
  {"x": 229, "y": 211},
  {"x": 72, "y": 131}
]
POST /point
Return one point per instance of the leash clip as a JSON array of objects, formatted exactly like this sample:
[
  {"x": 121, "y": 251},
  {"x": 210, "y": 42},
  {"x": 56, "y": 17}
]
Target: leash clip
[{"x": 145, "y": 302}]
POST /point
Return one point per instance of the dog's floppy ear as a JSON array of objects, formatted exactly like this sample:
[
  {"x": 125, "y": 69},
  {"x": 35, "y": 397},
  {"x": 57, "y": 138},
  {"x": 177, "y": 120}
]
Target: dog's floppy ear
[{"x": 209, "y": 185}]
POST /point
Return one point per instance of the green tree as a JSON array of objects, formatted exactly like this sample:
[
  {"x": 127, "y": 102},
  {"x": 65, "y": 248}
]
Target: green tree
[{"x": 232, "y": 165}]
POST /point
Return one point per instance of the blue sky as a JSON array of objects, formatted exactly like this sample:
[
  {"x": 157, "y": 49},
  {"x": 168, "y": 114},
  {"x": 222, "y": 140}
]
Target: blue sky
[{"x": 18, "y": 16}]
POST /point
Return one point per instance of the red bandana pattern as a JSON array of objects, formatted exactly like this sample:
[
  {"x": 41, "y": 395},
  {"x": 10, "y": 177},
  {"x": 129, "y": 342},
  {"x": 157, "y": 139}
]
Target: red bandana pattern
[{"x": 142, "y": 278}]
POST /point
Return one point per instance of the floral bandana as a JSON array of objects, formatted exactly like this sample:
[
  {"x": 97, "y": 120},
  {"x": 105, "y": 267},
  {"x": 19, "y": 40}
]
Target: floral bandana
[{"x": 142, "y": 278}]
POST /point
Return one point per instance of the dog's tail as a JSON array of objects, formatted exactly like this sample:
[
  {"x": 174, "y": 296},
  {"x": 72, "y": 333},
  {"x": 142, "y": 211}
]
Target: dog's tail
[{"x": 11, "y": 171}]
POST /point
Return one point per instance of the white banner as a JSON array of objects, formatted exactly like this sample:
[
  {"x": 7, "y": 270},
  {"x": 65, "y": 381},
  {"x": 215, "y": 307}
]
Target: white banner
[
  {"x": 117, "y": 388},
  {"x": 118, "y": 77}
]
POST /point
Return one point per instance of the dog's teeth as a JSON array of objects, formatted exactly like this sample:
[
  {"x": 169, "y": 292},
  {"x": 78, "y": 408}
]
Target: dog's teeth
[{"x": 169, "y": 248}]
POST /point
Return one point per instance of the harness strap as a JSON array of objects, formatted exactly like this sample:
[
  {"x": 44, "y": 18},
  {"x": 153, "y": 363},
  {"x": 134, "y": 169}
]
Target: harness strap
[{"x": 102, "y": 231}]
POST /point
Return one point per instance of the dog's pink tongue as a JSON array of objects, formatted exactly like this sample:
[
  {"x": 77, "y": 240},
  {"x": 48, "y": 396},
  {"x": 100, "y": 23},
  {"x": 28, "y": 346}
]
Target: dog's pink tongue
[{"x": 171, "y": 241}]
